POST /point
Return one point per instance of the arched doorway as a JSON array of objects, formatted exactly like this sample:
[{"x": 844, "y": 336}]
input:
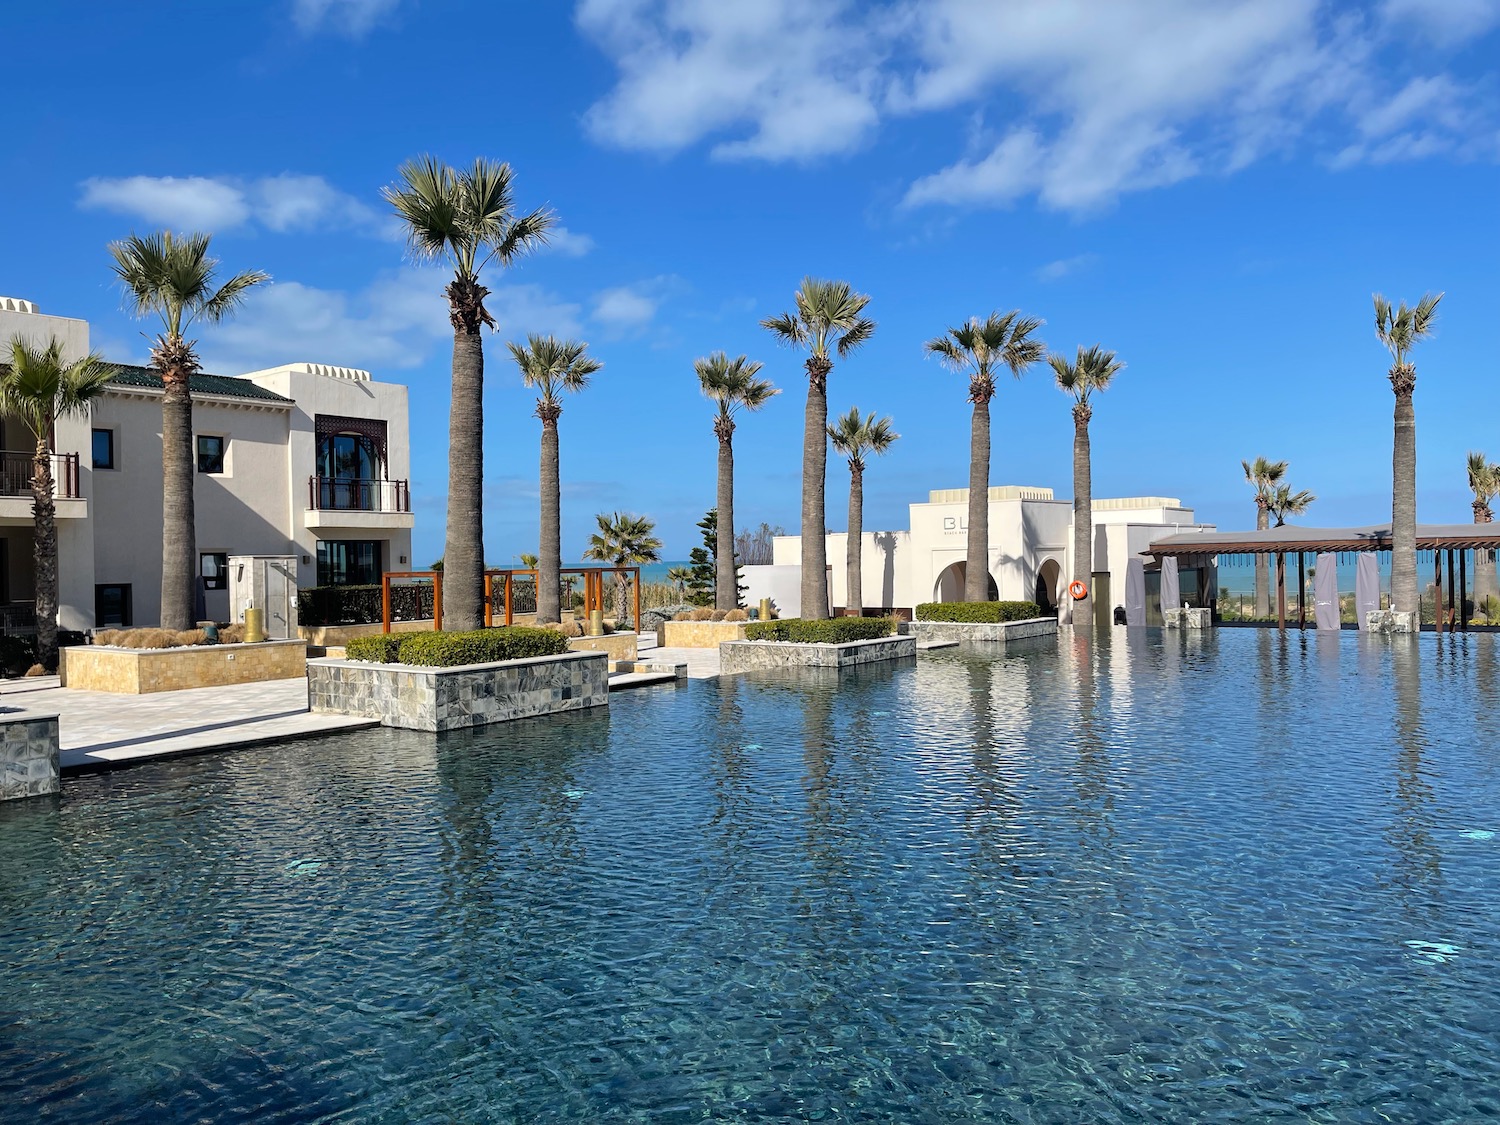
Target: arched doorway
[
  {"x": 1047, "y": 579},
  {"x": 950, "y": 584}
]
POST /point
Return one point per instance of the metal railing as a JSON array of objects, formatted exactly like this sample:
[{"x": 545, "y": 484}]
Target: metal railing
[
  {"x": 352, "y": 494},
  {"x": 17, "y": 469}
]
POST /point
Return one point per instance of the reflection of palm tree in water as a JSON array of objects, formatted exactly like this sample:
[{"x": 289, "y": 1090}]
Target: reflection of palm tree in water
[
  {"x": 1096, "y": 800},
  {"x": 730, "y": 776},
  {"x": 830, "y": 902},
  {"x": 1418, "y": 859}
]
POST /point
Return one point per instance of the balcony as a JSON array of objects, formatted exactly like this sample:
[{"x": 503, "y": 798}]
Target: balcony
[
  {"x": 16, "y": 471},
  {"x": 355, "y": 502}
]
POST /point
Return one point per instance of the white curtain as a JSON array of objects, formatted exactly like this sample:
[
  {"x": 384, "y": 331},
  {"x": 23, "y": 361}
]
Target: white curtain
[{"x": 1326, "y": 591}]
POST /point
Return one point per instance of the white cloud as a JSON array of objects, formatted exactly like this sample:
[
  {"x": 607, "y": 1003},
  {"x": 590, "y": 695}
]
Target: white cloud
[
  {"x": 624, "y": 307},
  {"x": 185, "y": 203},
  {"x": 398, "y": 321},
  {"x": 351, "y": 18},
  {"x": 570, "y": 244},
  {"x": 793, "y": 79},
  {"x": 1100, "y": 97},
  {"x": 1066, "y": 267},
  {"x": 288, "y": 202}
]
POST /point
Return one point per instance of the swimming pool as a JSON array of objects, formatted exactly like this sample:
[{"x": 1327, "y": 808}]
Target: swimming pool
[{"x": 1177, "y": 877}]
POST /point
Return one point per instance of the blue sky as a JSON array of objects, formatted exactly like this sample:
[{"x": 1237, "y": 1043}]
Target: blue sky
[{"x": 1213, "y": 191}]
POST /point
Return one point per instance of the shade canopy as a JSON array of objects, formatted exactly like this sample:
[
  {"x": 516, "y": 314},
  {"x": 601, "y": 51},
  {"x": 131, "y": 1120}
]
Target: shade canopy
[{"x": 1290, "y": 540}]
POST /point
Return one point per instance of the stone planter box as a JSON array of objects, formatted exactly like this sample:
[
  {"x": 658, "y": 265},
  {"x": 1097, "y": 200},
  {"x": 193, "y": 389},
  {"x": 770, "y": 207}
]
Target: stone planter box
[
  {"x": 141, "y": 671},
  {"x": 28, "y": 754},
  {"x": 618, "y": 646},
  {"x": 1188, "y": 618},
  {"x": 472, "y": 695},
  {"x": 1390, "y": 621},
  {"x": 336, "y": 636},
  {"x": 699, "y": 634},
  {"x": 967, "y": 632},
  {"x": 745, "y": 656}
]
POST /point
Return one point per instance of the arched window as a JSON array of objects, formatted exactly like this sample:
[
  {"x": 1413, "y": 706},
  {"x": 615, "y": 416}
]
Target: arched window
[{"x": 350, "y": 462}]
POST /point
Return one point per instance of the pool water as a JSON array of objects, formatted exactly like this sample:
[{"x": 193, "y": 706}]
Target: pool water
[{"x": 1159, "y": 877}]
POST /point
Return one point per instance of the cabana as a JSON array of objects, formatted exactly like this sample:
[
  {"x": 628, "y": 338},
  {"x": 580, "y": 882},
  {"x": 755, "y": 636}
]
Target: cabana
[{"x": 1327, "y": 543}]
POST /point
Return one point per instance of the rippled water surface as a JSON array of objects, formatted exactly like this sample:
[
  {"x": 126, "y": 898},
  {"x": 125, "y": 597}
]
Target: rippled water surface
[{"x": 1170, "y": 879}]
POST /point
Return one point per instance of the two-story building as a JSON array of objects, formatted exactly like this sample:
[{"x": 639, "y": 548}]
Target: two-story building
[{"x": 305, "y": 460}]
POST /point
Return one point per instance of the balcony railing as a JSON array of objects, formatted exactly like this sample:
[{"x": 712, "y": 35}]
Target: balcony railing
[
  {"x": 16, "y": 471},
  {"x": 350, "y": 494}
]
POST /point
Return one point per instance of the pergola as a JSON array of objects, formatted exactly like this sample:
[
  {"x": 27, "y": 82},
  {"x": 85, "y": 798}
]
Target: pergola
[{"x": 1282, "y": 541}]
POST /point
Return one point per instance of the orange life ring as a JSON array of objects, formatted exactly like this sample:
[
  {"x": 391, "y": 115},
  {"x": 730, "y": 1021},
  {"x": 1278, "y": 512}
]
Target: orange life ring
[{"x": 1078, "y": 590}]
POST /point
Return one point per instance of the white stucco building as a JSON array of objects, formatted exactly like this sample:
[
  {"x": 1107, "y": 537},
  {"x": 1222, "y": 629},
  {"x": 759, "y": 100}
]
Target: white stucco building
[
  {"x": 1030, "y": 552},
  {"x": 305, "y": 460}
]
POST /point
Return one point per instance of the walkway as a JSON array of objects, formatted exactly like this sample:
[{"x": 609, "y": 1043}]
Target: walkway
[
  {"x": 702, "y": 663},
  {"x": 101, "y": 730}
]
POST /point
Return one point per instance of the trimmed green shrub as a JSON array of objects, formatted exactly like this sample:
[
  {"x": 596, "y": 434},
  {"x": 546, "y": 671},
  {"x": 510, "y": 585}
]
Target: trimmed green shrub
[
  {"x": 978, "y": 613},
  {"x": 834, "y": 632},
  {"x": 379, "y": 649},
  {"x": 481, "y": 646}
]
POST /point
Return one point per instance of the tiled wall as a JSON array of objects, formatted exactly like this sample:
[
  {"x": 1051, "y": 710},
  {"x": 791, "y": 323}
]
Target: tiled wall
[
  {"x": 142, "y": 671},
  {"x": 28, "y": 755},
  {"x": 743, "y": 656}
]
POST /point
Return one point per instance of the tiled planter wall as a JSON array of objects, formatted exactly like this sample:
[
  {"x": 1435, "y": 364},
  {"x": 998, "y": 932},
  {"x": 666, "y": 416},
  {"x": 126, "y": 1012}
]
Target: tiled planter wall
[
  {"x": 28, "y": 754},
  {"x": 744, "y": 656},
  {"x": 974, "y": 633}
]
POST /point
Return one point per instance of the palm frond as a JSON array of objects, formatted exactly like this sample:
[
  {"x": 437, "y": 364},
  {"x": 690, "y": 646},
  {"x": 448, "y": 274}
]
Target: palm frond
[
  {"x": 39, "y": 387},
  {"x": 854, "y": 435},
  {"x": 786, "y": 328}
]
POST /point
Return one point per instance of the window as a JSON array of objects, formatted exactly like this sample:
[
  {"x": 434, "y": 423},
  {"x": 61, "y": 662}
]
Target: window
[
  {"x": 214, "y": 566},
  {"x": 111, "y": 606},
  {"x": 210, "y": 453},
  {"x": 104, "y": 449},
  {"x": 348, "y": 562}
]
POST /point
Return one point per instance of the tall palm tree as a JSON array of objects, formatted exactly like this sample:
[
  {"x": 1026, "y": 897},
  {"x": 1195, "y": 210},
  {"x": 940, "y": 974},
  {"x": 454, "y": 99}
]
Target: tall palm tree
[
  {"x": 467, "y": 219},
  {"x": 1399, "y": 330},
  {"x": 1092, "y": 371},
  {"x": 979, "y": 349},
  {"x": 854, "y": 436},
  {"x": 1284, "y": 502},
  {"x": 623, "y": 540},
  {"x": 1484, "y": 480},
  {"x": 829, "y": 314},
  {"x": 173, "y": 277},
  {"x": 37, "y": 387},
  {"x": 731, "y": 384},
  {"x": 1263, "y": 476},
  {"x": 551, "y": 366}
]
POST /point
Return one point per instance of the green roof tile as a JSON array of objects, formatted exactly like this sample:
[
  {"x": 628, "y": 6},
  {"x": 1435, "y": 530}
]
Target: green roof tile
[{"x": 132, "y": 376}]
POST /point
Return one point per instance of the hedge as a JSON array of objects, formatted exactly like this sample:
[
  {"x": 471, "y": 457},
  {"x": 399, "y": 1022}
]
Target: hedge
[
  {"x": 379, "y": 649},
  {"x": 837, "y": 631},
  {"x": 978, "y": 613},
  {"x": 481, "y": 646}
]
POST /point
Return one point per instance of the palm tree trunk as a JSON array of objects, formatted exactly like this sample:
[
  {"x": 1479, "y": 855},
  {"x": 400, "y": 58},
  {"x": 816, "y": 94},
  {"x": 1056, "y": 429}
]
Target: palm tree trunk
[
  {"x": 814, "y": 480},
  {"x": 1484, "y": 565},
  {"x": 1083, "y": 517},
  {"x": 977, "y": 564},
  {"x": 726, "y": 583},
  {"x": 463, "y": 551},
  {"x": 44, "y": 555},
  {"x": 549, "y": 550},
  {"x": 179, "y": 546},
  {"x": 1404, "y": 495},
  {"x": 620, "y": 586},
  {"x": 854, "y": 600},
  {"x": 1262, "y": 567}
]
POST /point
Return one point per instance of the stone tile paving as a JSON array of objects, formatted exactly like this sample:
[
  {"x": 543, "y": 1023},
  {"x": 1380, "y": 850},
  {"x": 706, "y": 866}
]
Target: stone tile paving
[
  {"x": 702, "y": 663},
  {"x": 102, "y": 730}
]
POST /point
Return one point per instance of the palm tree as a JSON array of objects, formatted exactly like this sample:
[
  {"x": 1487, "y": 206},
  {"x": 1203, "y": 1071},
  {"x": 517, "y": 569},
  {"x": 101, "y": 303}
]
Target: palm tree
[
  {"x": 679, "y": 576},
  {"x": 39, "y": 388},
  {"x": 551, "y": 366},
  {"x": 731, "y": 384},
  {"x": 1484, "y": 480},
  {"x": 854, "y": 436},
  {"x": 1399, "y": 330},
  {"x": 1263, "y": 476},
  {"x": 528, "y": 560},
  {"x": 173, "y": 277},
  {"x": 979, "y": 349},
  {"x": 1092, "y": 371},
  {"x": 829, "y": 314},
  {"x": 1284, "y": 502},
  {"x": 467, "y": 219},
  {"x": 623, "y": 540}
]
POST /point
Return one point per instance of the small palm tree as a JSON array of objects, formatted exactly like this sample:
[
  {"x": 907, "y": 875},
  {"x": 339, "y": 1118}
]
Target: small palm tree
[
  {"x": 467, "y": 219},
  {"x": 854, "y": 436},
  {"x": 529, "y": 561},
  {"x": 1093, "y": 370},
  {"x": 39, "y": 388},
  {"x": 829, "y": 315},
  {"x": 1263, "y": 476},
  {"x": 731, "y": 384},
  {"x": 173, "y": 277},
  {"x": 1484, "y": 480},
  {"x": 551, "y": 366},
  {"x": 1284, "y": 502},
  {"x": 679, "y": 577},
  {"x": 623, "y": 540},
  {"x": 1399, "y": 330},
  {"x": 979, "y": 349}
]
